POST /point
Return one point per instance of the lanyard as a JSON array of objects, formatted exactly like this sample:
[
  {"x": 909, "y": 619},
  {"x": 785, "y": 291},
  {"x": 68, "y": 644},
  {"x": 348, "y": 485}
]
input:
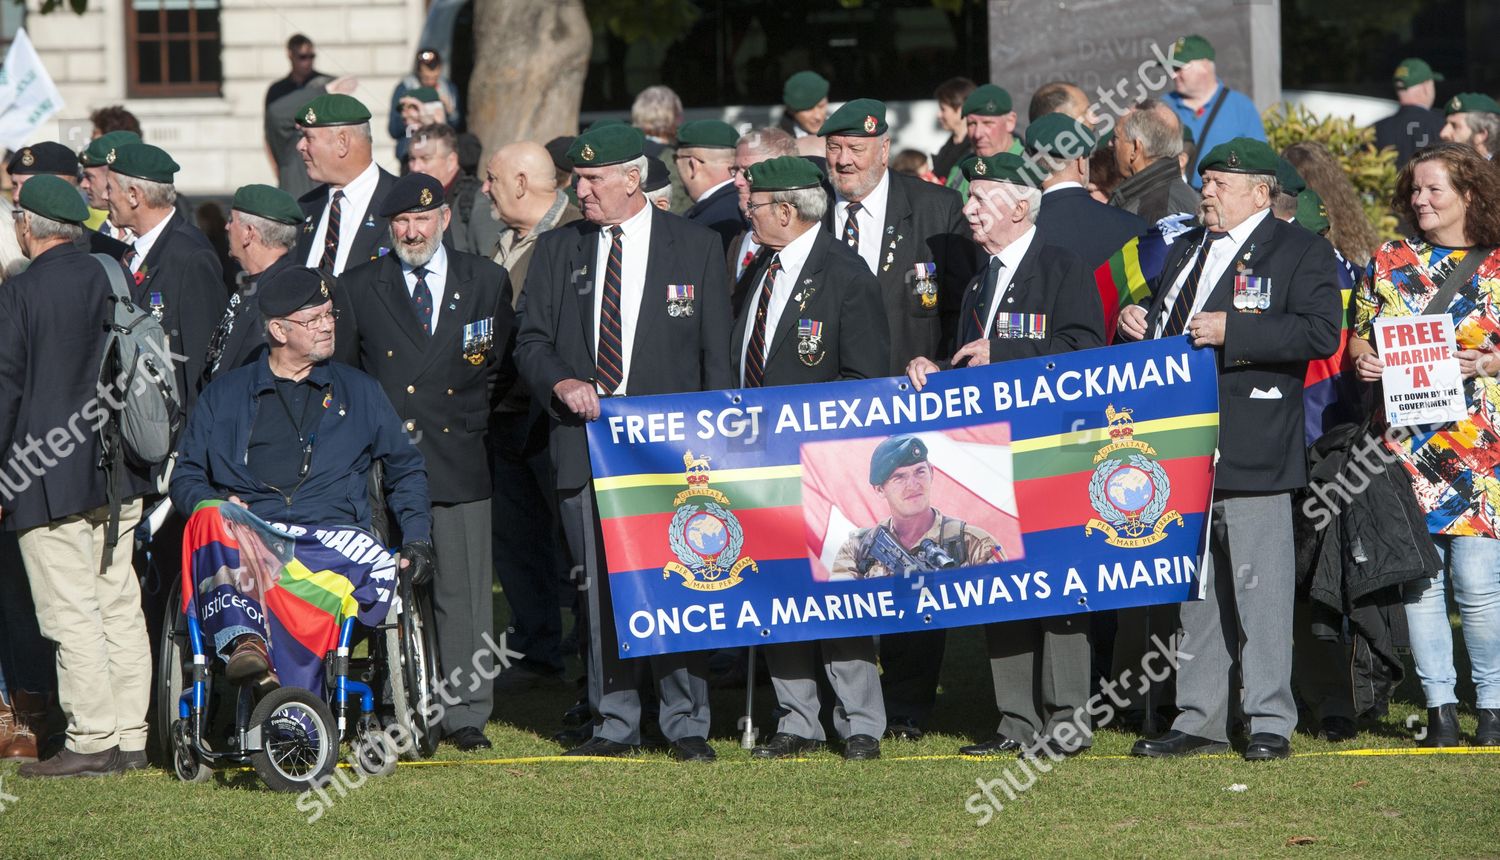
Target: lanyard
[{"x": 305, "y": 440}]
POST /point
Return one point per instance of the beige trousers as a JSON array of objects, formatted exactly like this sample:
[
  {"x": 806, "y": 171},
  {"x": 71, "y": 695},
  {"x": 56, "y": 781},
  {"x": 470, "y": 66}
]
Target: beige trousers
[{"x": 103, "y": 655}]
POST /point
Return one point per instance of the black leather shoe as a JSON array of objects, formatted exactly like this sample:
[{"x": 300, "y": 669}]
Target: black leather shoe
[
  {"x": 1442, "y": 727},
  {"x": 1175, "y": 743},
  {"x": 903, "y": 729},
  {"x": 1265, "y": 746},
  {"x": 1488, "y": 734},
  {"x": 1337, "y": 730},
  {"x": 997, "y": 745},
  {"x": 573, "y": 736},
  {"x": 861, "y": 748},
  {"x": 1051, "y": 748},
  {"x": 601, "y": 747},
  {"x": 692, "y": 749},
  {"x": 783, "y": 745},
  {"x": 468, "y": 739}
]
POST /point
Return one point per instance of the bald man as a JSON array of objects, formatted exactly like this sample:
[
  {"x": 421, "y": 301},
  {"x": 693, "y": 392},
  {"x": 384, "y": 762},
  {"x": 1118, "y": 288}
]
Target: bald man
[
  {"x": 1061, "y": 97},
  {"x": 521, "y": 183}
]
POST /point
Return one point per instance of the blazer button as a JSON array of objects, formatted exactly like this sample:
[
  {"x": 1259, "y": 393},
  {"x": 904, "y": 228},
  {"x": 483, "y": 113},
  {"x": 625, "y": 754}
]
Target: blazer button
[
  {"x": 445, "y": 429},
  {"x": 390, "y": 353},
  {"x": 410, "y": 425},
  {"x": 411, "y": 389},
  {"x": 450, "y": 392}
]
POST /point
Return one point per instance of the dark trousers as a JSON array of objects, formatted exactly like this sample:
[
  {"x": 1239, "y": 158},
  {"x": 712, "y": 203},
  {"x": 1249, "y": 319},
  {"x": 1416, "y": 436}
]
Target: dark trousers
[
  {"x": 614, "y": 683},
  {"x": 909, "y": 667},
  {"x": 27, "y": 661},
  {"x": 527, "y": 555},
  {"x": 464, "y": 610}
]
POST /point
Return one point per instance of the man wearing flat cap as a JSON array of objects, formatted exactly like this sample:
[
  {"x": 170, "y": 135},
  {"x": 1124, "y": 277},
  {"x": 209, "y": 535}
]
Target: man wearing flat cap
[
  {"x": 434, "y": 326},
  {"x": 815, "y": 316},
  {"x": 341, "y": 225},
  {"x": 1033, "y": 298},
  {"x": 262, "y": 228},
  {"x": 51, "y": 346},
  {"x": 704, "y": 156},
  {"x": 1473, "y": 118},
  {"x": 990, "y": 118},
  {"x": 804, "y": 100},
  {"x": 1414, "y": 124},
  {"x": 1264, "y": 295},
  {"x": 176, "y": 271},
  {"x": 911, "y": 235},
  {"x": 49, "y": 158},
  {"x": 628, "y": 301}
]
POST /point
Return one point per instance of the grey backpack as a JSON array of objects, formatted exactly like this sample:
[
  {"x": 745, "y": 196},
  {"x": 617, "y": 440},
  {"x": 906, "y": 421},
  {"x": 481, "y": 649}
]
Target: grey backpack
[{"x": 138, "y": 368}]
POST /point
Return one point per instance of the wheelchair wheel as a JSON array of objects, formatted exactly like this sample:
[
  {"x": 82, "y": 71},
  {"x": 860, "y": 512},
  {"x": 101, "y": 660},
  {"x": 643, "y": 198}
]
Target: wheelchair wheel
[
  {"x": 411, "y": 664},
  {"x": 298, "y": 742},
  {"x": 173, "y": 676},
  {"x": 375, "y": 754},
  {"x": 185, "y": 762}
]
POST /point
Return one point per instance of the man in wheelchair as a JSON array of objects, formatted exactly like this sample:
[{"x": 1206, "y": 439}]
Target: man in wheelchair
[{"x": 292, "y": 438}]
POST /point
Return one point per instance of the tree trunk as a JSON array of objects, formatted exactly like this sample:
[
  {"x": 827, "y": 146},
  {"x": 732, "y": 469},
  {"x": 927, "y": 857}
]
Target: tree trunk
[{"x": 531, "y": 57}]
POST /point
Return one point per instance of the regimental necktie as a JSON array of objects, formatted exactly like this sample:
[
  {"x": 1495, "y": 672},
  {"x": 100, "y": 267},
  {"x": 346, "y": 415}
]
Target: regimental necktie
[
  {"x": 421, "y": 300},
  {"x": 1182, "y": 308},
  {"x": 851, "y": 226},
  {"x": 755, "y": 352},
  {"x": 609, "y": 361},
  {"x": 331, "y": 236},
  {"x": 128, "y": 258},
  {"x": 974, "y": 325}
]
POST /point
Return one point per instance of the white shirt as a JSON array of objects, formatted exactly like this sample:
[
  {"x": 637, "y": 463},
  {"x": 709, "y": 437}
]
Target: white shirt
[
  {"x": 1060, "y": 186},
  {"x": 357, "y": 196},
  {"x": 714, "y": 190},
  {"x": 1010, "y": 258},
  {"x": 436, "y": 279},
  {"x": 792, "y": 257},
  {"x": 635, "y": 246},
  {"x": 748, "y": 249},
  {"x": 1220, "y": 254},
  {"x": 871, "y": 219},
  {"x": 144, "y": 244}
]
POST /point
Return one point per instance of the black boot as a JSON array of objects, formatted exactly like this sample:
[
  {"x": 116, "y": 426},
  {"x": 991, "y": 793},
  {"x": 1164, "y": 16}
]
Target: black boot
[
  {"x": 1488, "y": 734},
  {"x": 1442, "y": 727}
]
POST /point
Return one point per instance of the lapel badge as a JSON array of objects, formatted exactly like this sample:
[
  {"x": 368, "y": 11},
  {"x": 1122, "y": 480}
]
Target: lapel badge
[
  {"x": 307, "y": 225},
  {"x": 810, "y": 342},
  {"x": 680, "y": 300}
]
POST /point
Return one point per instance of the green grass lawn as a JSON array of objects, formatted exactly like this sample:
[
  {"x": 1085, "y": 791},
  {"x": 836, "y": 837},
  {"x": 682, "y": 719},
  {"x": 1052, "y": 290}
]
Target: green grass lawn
[{"x": 911, "y": 803}]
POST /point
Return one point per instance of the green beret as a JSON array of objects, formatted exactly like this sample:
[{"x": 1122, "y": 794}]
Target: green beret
[
  {"x": 291, "y": 290},
  {"x": 101, "y": 150},
  {"x": 607, "y": 143},
  {"x": 1288, "y": 178},
  {"x": 1190, "y": 48},
  {"x": 267, "y": 202},
  {"x": 422, "y": 94},
  {"x": 1311, "y": 213},
  {"x": 1413, "y": 71},
  {"x": 1241, "y": 155},
  {"x": 895, "y": 453},
  {"x": 46, "y": 157},
  {"x": 1471, "y": 103},
  {"x": 857, "y": 118},
  {"x": 712, "y": 133},
  {"x": 55, "y": 198},
  {"x": 144, "y": 161},
  {"x": 804, "y": 90},
  {"x": 1001, "y": 167},
  {"x": 987, "y": 100},
  {"x": 332, "y": 109},
  {"x": 784, "y": 173},
  {"x": 1059, "y": 135}
]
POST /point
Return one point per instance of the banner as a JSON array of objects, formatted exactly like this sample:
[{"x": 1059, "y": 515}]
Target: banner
[
  {"x": 1046, "y": 486},
  {"x": 28, "y": 97},
  {"x": 291, "y": 585}
]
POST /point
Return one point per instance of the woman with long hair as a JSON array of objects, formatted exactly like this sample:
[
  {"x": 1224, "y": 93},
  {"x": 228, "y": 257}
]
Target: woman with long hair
[
  {"x": 1452, "y": 197},
  {"x": 1348, "y": 228}
]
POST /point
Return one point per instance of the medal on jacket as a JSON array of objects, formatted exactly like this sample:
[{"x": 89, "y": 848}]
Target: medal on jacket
[
  {"x": 680, "y": 300},
  {"x": 156, "y": 303},
  {"x": 1020, "y": 326},
  {"x": 926, "y": 286},
  {"x": 810, "y": 342},
  {"x": 1251, "y": 293},
  {"x": 479, "y": 336}
]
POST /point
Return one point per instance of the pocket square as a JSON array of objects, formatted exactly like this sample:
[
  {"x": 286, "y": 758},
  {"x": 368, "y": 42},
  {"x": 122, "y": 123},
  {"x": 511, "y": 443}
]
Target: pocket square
[{"x": 1258, "y": 394}]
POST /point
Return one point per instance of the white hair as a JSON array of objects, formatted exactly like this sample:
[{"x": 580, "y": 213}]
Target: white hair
[
  {"x": 639, "y": 164},
  {"x": 157, "y": 195},
  {"x": 810, "y": 203},
  {"x": 41, "y": 227},
  {"x": 273, "y": 234}
]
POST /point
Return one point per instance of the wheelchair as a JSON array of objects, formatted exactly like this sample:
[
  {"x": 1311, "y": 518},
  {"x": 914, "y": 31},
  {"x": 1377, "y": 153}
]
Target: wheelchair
[{"x": 291, "y": 736}]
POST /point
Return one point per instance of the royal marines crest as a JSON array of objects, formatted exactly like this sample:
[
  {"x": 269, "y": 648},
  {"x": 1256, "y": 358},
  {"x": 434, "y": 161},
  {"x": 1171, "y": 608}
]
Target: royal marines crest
[
  {"x": 980, "y": 167},
  {"x": 110, "y": 159},
  {"x": 1233, "y": 160},
  {"x": 870, "y": 125},
  {"x": 587, "y": 152},
  {"x": 706, "y": 539},
  {"x": 425, "y": 198},
  {"x": 310, "y": 117},
  {"x": 1455, "y": 105},
  {"x": 1129, "y": 490}
]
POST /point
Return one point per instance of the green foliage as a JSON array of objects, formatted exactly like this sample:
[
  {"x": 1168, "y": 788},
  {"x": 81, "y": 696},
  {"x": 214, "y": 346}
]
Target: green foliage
[
  {"x": 661, "y": 22},
  {"x": 1373, "y": 172}
]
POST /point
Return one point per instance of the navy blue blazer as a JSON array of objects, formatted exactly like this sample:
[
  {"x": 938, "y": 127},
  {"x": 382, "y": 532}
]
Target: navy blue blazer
[
  {"x": 719, "y": 212},
  {"x": 1092, "y": 230}
]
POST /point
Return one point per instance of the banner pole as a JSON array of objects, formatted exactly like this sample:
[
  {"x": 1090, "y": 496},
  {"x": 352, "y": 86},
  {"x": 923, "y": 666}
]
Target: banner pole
[{"x": 747, "y": 737}]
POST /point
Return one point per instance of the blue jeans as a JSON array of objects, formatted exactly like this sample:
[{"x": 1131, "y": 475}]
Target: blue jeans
[{"x": 1472, "y": 565}]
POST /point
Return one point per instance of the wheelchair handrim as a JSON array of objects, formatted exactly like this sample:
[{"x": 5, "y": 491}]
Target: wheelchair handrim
[{"x": 296, "y": 741}]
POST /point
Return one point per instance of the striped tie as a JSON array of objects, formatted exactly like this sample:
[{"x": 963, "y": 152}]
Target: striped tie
[
  {"x": 755, "y": 353},
  {"x": 421, "y": 300},
  {"x": 609, "y": 364},
  {"x": 851, "y": 226},
  {"x": 1182, "y": 308},
  {"x": 331, "y": 236}
]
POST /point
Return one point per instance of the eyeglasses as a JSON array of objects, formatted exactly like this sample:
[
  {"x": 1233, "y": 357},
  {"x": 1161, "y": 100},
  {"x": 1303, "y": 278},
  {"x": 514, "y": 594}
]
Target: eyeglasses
[
  {"x": 751, "y": 207},
  {"x": 325, "y": 318},
  {"x": 736, "y": 170}
]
